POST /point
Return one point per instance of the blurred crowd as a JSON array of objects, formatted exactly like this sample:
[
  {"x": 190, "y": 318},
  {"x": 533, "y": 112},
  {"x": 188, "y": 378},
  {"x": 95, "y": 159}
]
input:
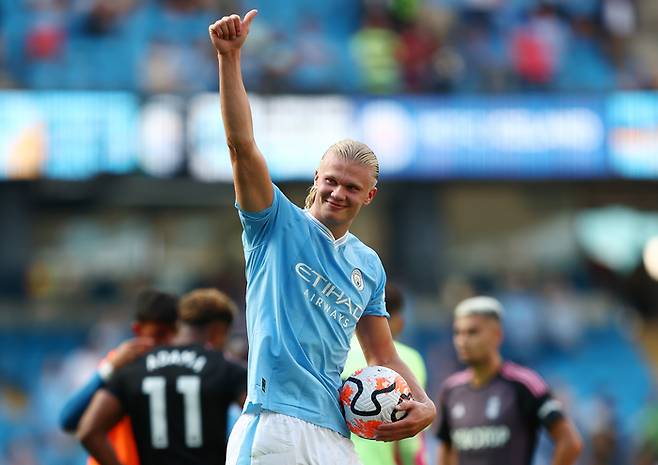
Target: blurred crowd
[{"x": 343, "y": 46}]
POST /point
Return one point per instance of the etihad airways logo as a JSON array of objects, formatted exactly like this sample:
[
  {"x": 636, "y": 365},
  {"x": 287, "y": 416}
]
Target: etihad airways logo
[{"x": 327, "y": 296}]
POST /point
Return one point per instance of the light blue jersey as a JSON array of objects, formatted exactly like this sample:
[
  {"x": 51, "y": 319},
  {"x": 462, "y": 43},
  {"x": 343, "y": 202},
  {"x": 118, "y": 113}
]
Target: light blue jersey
[{"x": 305, "y": 293}]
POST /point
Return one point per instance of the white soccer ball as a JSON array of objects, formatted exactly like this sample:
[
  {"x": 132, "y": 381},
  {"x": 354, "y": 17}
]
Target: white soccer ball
[{"x": 369, "y": 396}]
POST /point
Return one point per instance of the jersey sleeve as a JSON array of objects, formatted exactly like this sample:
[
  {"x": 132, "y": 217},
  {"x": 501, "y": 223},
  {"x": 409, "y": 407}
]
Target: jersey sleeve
[
  {"x": 257, "y": 226},
  {"x": 443, "y": 431},
  {"x": 377, "y": 304},
  {"x": 538, "y": 404},
  {"x": 117, "y": 385}
]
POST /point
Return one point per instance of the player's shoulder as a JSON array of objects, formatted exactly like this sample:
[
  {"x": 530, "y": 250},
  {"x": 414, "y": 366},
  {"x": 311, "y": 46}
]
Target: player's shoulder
[
  {"x": 281, "y": 206},
  {"x": 218, "y": 360},
  {"x": 358, "y": 245},
  {"x": 365, "y": 253},
  {"x": 212, "y": 355},
  {"x": 458, "y": 379},
  {"x": 524, "y": 377}
]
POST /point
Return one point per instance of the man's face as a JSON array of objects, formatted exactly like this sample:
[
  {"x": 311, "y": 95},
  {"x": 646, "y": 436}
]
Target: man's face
[
  {"x": 160, "y": 333},
  {"x": 343, "y": 187},
  {"x": 476, "y": 338}
]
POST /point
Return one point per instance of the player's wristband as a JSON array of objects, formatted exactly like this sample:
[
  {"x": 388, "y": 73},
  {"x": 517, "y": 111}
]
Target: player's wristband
[{"x": 105, "y": 371}]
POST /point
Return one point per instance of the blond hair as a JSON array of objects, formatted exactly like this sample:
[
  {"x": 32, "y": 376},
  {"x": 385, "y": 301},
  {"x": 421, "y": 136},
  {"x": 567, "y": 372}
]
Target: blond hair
[
  {"x": 348, "y": 150},
  {"x": 203, "y": 306}
]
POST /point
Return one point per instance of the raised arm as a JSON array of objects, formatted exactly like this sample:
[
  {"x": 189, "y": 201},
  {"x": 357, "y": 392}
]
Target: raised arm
[
  {"x": 377, "y": 343},
  {"x": 253, "y": 187}
]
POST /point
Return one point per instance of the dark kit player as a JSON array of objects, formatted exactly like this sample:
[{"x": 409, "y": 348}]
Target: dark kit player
[
  {"x": 176, "y": 396},
  {"x": 154, "y": 325},
  {"x": 490, "y": 414}
]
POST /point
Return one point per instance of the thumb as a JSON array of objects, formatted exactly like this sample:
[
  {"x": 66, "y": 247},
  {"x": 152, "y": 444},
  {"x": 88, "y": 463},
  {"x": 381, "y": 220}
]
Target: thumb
[{"x": 249, "y": 17}]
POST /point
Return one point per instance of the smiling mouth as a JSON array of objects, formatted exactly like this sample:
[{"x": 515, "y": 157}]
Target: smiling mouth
[{"x": 335, "y": 205}]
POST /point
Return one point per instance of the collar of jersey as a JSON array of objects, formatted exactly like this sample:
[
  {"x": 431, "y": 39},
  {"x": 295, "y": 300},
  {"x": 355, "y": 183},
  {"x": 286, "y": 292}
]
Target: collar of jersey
[{"x": 327, "y": 232}]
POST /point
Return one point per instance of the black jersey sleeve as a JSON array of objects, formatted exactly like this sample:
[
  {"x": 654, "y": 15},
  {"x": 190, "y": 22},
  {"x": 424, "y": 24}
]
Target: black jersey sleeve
[
  {"x": 116, "y": 385},
  {"x": 539, "y": 407},
  {"x": 443, "y": 431}
]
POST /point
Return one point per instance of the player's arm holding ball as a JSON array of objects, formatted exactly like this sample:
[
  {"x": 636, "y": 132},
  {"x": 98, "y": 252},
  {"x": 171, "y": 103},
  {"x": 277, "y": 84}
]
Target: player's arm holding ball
[
  {"x": 377, "y": 343},
  {"x": 253, "y": 187}
]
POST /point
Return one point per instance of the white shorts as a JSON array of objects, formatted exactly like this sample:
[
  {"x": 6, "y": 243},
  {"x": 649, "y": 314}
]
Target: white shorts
[{"x": 270, "y": 438}]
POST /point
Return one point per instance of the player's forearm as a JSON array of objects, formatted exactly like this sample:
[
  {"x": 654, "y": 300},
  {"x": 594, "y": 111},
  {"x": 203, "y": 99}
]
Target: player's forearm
[
  {"x": 416, "y": 390},
  {"x": 75, "y": 407},
  {"x": 236, "y": 112},
  {"x": 96, "y": 443},
  {"x": 567, "y": 441},
  {"x": 566, "y": 451}
]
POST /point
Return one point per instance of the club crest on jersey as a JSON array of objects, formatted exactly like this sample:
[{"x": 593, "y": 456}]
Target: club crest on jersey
[
  {"x": 493, "y": 408},
  {"x": 357, "y": 279},
  {"x": 458, "y": 411}
]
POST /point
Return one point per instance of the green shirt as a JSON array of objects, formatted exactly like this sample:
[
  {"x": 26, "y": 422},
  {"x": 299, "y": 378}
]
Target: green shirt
[{"x": 383, "y": 453}]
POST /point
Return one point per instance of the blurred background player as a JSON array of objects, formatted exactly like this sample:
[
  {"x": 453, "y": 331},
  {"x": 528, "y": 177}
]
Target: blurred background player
[
  {"x": 410, "y": 451},
  {"x": 154, "y": 324},
  {"x": 177, "y": 396},
  {"x": 309, "y": 281},
  {"x": 491, "y": 412}
]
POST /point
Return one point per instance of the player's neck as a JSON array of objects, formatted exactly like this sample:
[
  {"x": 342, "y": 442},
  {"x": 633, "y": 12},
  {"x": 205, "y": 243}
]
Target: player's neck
[
  {"x": 486, "y": 371},
  {"x": 187, "y": 335},
  {"x": 337, "y": 231}
]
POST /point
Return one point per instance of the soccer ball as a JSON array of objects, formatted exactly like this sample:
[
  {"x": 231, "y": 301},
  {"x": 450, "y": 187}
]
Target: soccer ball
[{"x": 368, "y": 399}]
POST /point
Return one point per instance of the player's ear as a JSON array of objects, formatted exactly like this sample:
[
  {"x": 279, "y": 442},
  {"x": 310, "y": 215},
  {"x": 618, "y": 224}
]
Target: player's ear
[
  {"x": 136, "y": 328},
  {"x": 499, "y": 333},
  {"x": 371, "y": 195}
]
